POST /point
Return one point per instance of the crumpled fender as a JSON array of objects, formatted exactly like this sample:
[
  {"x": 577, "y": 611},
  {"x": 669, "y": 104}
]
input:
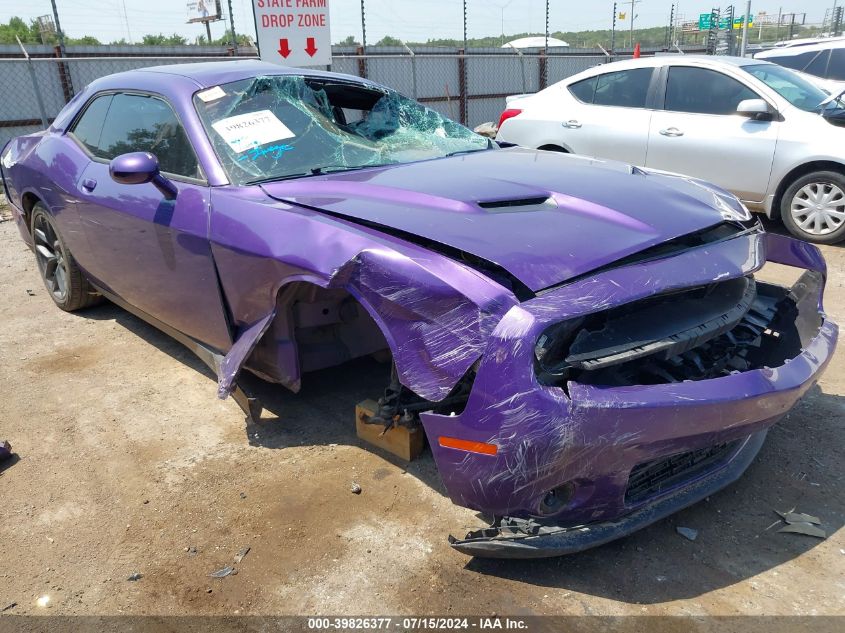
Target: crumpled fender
[{"x": 434, "y": 330}]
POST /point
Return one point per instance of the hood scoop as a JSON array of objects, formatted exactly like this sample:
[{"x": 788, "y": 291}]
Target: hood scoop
[{"x": 519, "y": 205}]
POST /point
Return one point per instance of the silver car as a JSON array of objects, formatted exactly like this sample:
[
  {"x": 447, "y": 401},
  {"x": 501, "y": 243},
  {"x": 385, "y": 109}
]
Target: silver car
[{"x": 759, "y": 130}]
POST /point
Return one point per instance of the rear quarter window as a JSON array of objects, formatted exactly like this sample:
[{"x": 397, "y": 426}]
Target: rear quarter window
[{"x": 584, "y": 90}]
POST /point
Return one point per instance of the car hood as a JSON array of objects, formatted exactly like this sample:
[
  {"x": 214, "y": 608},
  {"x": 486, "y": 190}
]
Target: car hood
[{"x": 544, "y": 217}]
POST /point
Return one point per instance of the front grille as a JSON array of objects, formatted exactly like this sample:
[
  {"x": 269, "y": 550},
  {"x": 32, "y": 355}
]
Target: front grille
[{"x": 653, "y": 477}]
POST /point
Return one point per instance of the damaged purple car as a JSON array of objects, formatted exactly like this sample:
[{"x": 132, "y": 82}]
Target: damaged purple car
[{"x": 583, "y": 342}]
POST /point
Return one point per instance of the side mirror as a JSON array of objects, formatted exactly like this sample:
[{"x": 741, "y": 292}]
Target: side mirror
[
  {"x": 756, "y": 109},
  {"x": 138, "y": 168}
]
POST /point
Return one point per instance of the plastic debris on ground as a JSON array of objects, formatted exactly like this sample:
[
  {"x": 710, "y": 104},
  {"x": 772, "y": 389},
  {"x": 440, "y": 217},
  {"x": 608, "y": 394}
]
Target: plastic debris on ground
[
  {"x": 136, "y": 576},
  {"x": 688, "y": 533},
  {"x": 355, "y": 489},
  {"x": 5, "y": 450},
  {"x": 222, "y": 573},
  {"x": 241, "y": 553},
  {"x": 800, "y": 523}
]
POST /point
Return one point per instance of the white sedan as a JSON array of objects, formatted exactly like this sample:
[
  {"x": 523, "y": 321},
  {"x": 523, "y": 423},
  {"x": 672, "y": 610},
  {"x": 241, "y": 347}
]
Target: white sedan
[{"x": 759, "y": 130}]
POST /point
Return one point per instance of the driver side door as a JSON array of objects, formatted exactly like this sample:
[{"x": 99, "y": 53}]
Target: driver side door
[{"x": 151, "y": 252}]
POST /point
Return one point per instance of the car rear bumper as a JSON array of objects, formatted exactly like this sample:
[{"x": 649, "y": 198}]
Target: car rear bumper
[{"x": 611, "y": 448}]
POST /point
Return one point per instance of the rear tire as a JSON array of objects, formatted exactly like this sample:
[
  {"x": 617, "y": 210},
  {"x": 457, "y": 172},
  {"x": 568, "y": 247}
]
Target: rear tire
[
  {"x": 813, "y": 207},
  {"x": 68, "y": 287}
]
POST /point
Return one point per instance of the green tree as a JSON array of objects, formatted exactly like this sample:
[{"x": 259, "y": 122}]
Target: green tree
[
  {"x": 349, "y": 41},
  {"x": 387, "y": 40},
  {"x": 86, "y": 40},
  {"x": 28, "y": 33},
  {"x": 163, "y": 40}
]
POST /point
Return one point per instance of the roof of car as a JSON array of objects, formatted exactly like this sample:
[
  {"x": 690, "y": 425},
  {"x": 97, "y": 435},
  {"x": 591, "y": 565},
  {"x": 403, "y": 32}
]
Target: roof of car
[
  {"x": 666, "y": 60},
  {"x": 207, "y": 74},
  {"x": 807, "y": 46}
]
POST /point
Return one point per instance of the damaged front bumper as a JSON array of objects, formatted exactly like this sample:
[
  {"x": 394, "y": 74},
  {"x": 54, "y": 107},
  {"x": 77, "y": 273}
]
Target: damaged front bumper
[{"x": 579, "y": 464}]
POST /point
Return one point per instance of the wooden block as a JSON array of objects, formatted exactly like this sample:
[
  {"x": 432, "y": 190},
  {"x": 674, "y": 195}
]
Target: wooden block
[{"x": 401, "y": 441}]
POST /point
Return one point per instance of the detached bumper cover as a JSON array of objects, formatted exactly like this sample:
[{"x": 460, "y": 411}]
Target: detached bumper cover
[{"x": 592, "y": 438}]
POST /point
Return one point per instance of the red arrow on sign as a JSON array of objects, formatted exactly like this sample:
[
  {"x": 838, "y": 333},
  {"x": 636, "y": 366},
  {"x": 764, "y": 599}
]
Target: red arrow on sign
[
  {"x": 284, "y": 49},
  {"x": 310, "y": 47}
]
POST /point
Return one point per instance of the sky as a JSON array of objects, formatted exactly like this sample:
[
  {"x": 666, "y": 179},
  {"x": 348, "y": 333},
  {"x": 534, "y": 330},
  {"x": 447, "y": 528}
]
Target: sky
[{"x": 410, "y": 20}]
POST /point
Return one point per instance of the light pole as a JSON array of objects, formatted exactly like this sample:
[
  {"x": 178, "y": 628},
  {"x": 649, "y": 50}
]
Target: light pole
[{"x": 745, "y": 20}]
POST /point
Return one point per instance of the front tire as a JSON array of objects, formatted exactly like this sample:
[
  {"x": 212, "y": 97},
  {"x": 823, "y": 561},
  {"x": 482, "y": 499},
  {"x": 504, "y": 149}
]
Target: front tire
[
  {"x": 62, "y": 278},
  {"x": 813, "y": 207}
]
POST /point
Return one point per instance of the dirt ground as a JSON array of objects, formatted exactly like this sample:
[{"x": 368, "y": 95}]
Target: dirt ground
[{"x": 128, "y": 463}]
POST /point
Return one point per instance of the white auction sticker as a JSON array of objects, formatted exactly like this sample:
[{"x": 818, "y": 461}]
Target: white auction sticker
[
  {"x": 245, "y": 131},
  {"x": 212, "y": 94}
]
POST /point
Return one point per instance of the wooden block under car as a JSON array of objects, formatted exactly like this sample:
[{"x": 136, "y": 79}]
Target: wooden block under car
[{"x": 401, "y": 441}]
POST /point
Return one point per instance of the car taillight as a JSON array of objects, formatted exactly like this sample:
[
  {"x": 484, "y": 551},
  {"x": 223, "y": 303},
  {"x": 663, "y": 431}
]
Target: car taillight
[{"x": 507, "y": 114}]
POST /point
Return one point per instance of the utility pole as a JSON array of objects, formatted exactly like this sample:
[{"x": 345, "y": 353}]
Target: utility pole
[
  {"x": 745, "y": 19},
  {"x": 59, "y": 32},
  {"x": 232, "y": 26},
  {"x": 613, "y": 31},
  {"x": 465, "y": 25},
  {"x": 363, "y": 30},
  {"x": 631, "y": 36},
  {"x": 546, "y": 46},
  {"x": 669, "y": 28}
]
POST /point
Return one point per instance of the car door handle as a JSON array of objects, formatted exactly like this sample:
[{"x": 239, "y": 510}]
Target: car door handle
[
  {"x": 89, "y": 184},
  {"x": 671, "y": 131},
  {"x": 572, "y": 124}
]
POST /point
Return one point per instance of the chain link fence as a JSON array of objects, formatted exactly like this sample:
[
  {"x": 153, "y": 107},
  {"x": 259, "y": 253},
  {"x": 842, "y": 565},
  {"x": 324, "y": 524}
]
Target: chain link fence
[{"x": 470, "y": 88}]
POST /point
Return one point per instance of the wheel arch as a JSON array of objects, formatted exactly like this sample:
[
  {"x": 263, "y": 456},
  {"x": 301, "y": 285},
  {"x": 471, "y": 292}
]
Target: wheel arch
[
  {"x": 795, "y": 174},
  {"x": 28, "y": 201}
]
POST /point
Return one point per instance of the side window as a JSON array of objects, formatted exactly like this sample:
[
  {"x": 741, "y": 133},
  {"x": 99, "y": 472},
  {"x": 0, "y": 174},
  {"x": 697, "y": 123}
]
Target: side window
[
  {"x": 798, "y": 61},
  {"x": 704, "y": 91},
  {"x": 584, "y": 90},
  {"x": 137, "y": 123},
  {"x": 625, "y": 88},
  {"x": 818, "y": 65},
  {"x": 90, "y": 124},
  {"x": 836, "y": 69}
]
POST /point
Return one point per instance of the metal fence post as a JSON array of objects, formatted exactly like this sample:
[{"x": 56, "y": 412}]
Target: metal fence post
[
  {"x": 362, "y": 62},
  {"x": 544, "y": 74},
  {"x": 462, "y": 84},
  {"x": 35, "y": 87}
]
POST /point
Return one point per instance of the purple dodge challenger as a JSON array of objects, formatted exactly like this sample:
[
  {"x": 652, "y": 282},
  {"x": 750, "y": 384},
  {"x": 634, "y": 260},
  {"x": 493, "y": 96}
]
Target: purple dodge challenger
[{"x": 583, "y": 342}]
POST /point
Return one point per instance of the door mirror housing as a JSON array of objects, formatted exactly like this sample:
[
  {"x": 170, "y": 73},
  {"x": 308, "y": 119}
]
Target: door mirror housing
[
  {"x": 138, "y": 168},
  {"x": 756, "y": 109}
]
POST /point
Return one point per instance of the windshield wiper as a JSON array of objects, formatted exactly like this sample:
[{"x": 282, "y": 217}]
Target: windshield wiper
[
  {"x": 470, "y": 150},
  {"x": 334, "y": 169},
  {"x": 258, "y": 181},
  {"x": 315, "y": 171}
]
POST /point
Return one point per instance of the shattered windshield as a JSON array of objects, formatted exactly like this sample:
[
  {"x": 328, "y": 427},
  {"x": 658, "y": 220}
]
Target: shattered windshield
[{"x": 287, "y": 126}]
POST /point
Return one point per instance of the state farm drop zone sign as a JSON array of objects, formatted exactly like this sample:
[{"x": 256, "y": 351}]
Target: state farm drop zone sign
[
  {"x": 293, "y": 32},
  {"x": 294, "y": 12}
]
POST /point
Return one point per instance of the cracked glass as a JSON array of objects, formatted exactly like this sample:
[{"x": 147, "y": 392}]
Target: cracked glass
[{"x": 288, "y": 126}]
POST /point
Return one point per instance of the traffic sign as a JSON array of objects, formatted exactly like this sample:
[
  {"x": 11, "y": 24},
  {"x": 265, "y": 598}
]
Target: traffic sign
[
  {"x": 293, "y": 32},
  {"x": 738, "y": 22}
]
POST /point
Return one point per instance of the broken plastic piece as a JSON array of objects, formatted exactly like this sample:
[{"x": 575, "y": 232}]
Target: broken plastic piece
[
  {"x": 798, "y": 517},
  {"x": 807, "y": 529},
  {"x": 222, "y": 573},
  {"x": 241, "y": 554},
  {"x": 688, "y": 533}
]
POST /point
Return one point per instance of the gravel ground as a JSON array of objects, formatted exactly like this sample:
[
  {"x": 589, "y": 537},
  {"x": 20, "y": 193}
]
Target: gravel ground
[{"x": 129, "y": 464}]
